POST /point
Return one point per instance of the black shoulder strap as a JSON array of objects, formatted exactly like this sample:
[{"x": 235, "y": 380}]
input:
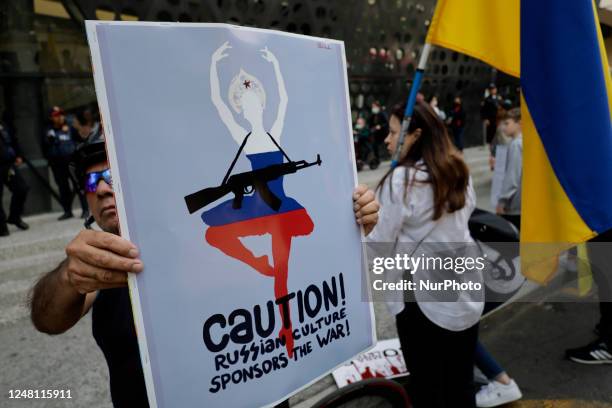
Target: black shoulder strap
[
  {"x": 244, "y": 142},
  {"x": 279, "y": 148},
  {"x": 236, "y": 158}
]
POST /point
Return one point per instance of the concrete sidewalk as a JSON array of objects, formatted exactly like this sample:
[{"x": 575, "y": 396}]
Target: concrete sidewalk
[
  {"x": 477, "y": 159},
  {"x": 529, "y": 340}
]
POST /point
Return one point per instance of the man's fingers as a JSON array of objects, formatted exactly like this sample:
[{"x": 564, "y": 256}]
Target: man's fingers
[
  {"x": 371, "y": 208},
  {"x": 365, "y": 198},
  {"x": 368, "y": 219},
  {"x": 359, "y": 190},
  {"x": 84, "y": 284},
  {"x": 113, "y": 243},
  {"x": 108, "y": 260},
  {"x": 85, "y": 271},
  {"x": 98, "y": 260},
  {"x": 117, "y": 279}
]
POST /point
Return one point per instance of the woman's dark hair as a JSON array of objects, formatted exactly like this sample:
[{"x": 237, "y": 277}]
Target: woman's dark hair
[
  {"x": 80, "y": 115},
  {"x": 448, "y": 173},
  {"x": 87, "y": 115}
]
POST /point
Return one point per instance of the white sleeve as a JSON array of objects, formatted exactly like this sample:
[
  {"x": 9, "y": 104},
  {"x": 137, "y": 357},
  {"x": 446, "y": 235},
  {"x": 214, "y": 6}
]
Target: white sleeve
[
  {"x": 392, "y": 208},
  {"x": 512, "y": 178}
]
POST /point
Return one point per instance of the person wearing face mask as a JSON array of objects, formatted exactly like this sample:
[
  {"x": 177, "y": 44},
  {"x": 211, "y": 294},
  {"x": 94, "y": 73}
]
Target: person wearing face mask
[
  {"x": 433, "y": 102},
  {"x": 379, "y": 128},
  {"x": 456, "y": 123},
  {"x": 363, "y": 144}
]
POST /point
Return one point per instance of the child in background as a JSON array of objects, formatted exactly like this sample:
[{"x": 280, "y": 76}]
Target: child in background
[{"x": 509, "y": 204}]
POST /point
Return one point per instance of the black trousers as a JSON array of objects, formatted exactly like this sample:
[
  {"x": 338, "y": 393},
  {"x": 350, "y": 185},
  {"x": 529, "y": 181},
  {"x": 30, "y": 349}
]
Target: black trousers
[
  {"x": 367, "y": 146},
  {"x": 66, "y": 184},
  {"x": 458, "y": 137},
  {"x": 440, "y": 361},
  {"x": 491, "y": 130},
  {"x": 19, "y": 189},
  {"x": 599, "y": 250}
]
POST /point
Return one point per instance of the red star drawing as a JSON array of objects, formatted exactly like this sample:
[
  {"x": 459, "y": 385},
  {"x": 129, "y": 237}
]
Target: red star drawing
[{"x": 247, "y": 84}]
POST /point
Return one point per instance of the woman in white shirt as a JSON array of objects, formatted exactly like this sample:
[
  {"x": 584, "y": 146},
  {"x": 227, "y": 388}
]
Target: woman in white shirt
[{"x": 427, "y": 201}]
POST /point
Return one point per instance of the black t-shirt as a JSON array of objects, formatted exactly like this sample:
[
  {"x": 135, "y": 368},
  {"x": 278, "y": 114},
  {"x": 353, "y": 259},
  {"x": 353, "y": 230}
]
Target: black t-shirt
[
  {"x": 113, "y": 329},
  {"x": 379, "y": 119}
]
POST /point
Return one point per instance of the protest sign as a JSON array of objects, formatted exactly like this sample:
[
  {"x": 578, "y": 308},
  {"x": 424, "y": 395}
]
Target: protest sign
[
  {"x": 233, "y": 170},
  {"x": 385, "y": 360}
]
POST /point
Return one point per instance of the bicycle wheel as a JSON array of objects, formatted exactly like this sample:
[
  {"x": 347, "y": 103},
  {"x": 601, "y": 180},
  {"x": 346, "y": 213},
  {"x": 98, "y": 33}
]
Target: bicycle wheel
[{"x": 371, "y": 393}]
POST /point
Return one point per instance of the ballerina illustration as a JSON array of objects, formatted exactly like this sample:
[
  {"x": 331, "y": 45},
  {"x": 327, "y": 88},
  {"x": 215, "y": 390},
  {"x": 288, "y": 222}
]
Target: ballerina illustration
[{"x": 260, "y": 205}]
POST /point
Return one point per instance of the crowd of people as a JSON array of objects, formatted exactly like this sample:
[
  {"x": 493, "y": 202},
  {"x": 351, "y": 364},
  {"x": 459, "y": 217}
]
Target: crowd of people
[
  {"x": 62, "y": 135},
  {"x": 372, "y": 126},
  {"x": 65, "y": 132},
  {"x": 429, "y": 197},
  {"x": 369, "y": 132}
]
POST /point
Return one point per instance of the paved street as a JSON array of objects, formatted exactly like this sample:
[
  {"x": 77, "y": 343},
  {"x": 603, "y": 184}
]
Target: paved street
[{"x": 528, "y": 339}]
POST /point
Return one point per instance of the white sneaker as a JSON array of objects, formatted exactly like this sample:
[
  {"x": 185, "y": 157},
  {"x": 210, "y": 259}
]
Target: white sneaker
[{"x": 496, "y": 393}]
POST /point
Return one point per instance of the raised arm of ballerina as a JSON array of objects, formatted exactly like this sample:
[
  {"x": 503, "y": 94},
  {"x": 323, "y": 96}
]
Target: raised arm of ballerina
[
  {"x": 277, "y": 127},
  {"x": 237, "y": 131}
]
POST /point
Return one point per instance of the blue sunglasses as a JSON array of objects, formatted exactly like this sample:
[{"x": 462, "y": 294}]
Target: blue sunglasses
[{"x": 92, "y": 179}]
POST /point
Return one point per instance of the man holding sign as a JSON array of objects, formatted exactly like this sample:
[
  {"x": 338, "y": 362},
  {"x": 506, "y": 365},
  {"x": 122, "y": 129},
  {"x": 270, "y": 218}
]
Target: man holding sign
[
  {"x": 94, "y": 276},
  {"x": 249, "y": 241}
]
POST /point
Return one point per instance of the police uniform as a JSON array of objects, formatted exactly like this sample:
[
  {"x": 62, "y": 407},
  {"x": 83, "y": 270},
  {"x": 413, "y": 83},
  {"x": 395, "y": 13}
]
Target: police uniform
[
  {"x": 59, "y": 145},
  {"x": 11, "y": 177}
]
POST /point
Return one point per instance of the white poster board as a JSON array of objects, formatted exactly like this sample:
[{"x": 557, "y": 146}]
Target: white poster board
[
  {"x": 233, "y": 169},
  {"x": 385, "y": 360}
]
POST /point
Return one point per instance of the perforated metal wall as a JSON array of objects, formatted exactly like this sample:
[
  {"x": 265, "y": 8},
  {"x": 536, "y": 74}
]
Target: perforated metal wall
[{"x": 383, "y": 41}]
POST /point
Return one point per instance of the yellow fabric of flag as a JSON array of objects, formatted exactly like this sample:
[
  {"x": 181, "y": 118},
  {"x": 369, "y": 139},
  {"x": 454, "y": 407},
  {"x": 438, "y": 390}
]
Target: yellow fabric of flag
[
  {"x": 490, "y": 30},
  {"x": 485, "y": 29},
  {"x": 549, "y": 223}
]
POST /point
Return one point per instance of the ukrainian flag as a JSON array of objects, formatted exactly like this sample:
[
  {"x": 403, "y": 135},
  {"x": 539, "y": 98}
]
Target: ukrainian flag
[{"x": 556, "y": 49}]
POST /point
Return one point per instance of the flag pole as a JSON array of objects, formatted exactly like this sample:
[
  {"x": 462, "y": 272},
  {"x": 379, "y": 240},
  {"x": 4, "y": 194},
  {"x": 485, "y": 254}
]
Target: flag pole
[{"x": 414, "y": 89}]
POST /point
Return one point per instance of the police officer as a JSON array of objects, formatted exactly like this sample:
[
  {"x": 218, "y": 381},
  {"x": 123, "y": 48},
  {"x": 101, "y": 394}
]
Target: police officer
[
  {"x": 488, "y": 111},
  {"x": 58, "y": 146},
  {"x": 10, "y": 159}
]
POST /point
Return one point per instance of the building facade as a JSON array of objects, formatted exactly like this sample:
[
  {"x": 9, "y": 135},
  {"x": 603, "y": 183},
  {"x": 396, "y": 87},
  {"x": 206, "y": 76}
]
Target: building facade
[{"x": 44, "y": 58}]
